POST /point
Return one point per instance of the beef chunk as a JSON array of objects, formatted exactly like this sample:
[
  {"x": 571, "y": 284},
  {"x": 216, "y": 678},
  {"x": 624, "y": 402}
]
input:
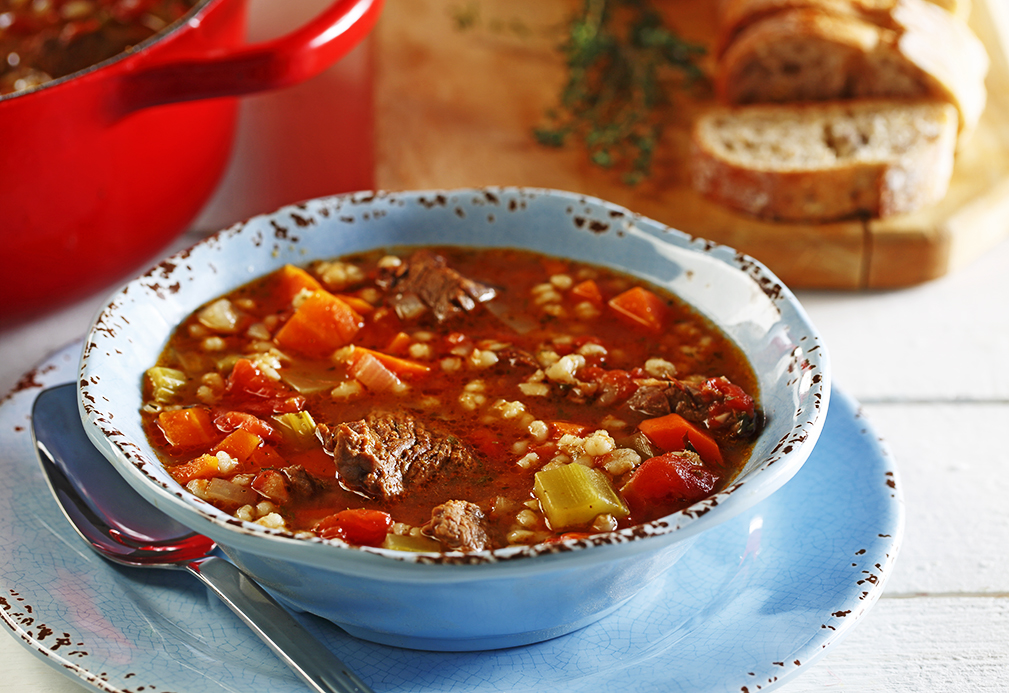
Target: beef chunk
[
  {"x": 458, "y": 525},
  {"x": 386, "y": 453},
  {"x": 697, "y": 400},
  {"x": 424, "y": 280},
  {"x": 514, "y": 358},
  {"x": 300, "y": 483}
]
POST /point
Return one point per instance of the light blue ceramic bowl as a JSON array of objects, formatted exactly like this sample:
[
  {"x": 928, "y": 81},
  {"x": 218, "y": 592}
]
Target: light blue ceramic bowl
[{"x": 486, "y": 600}]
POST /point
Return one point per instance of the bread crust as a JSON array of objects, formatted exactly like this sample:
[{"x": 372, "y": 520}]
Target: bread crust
[
  {"x": 846, "y": 184},
  {"x": 813, "y": 51},
  {"x": 735, "y": 15}
]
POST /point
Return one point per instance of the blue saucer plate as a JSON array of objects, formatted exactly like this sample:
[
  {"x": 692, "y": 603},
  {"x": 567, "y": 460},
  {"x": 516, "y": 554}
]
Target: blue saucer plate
[{"x": 767, "y": 593}]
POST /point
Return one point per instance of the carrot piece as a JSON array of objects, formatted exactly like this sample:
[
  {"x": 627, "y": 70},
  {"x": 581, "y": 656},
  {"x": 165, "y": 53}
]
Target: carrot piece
[
  {"x": 321, "y": 324},
  {"x": 188, "y": 428},
  {"x": 399, "y": 344},
  {"x": 664, "y": 484},
  {"x": 358, "y": 304},
  {"x": 240, "y": 444},
  {"x": 401, "y": 367},
  {"x": 202, "y": 467},
  {"x": 639, "y": 306},
  {"x": 265, "y": 457},
  {"x": 292, "y": 280},
  {"x": 672, "y": 432},
  {"x": 589, "y": 291}
]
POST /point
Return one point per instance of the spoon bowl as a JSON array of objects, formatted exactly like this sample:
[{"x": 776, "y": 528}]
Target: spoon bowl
[{"x": 124, "y": 528}]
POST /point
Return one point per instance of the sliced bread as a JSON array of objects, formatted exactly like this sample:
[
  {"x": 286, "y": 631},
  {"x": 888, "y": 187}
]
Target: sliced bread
[
  {"x": 815, "y": 53},
  {"x": 735, "y": 15},
  {"x": 824, "y": 161}
]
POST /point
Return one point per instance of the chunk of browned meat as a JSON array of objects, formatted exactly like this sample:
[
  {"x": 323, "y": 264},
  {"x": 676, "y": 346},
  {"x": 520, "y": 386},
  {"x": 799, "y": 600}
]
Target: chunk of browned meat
[
  {"x": 300, "y": 483},
  {"x": 424, "y": 280},
  {"x": 385, "y": 453},
  {"x": 700, "y": 402},
  {"x": 458, "y": 525}
]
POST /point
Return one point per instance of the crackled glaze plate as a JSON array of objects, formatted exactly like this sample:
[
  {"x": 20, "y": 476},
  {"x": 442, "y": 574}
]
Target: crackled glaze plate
[{"x": 767, "y": 593}]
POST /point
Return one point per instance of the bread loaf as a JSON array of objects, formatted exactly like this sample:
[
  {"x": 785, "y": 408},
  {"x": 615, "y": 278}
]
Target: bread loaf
[
  {"x": 825, "y": 161},
  {"x": 902, "y": 48},
  {"x": 735, "y": 15}
]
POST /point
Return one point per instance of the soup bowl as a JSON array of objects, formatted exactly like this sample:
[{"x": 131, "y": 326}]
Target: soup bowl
[{"x": 484, "y": 599}]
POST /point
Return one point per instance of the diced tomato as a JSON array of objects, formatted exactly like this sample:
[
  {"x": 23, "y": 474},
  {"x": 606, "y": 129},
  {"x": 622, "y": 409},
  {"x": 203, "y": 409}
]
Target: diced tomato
[
  {"x": 240, "y": 444},
  {"x": 614, "y": 385},
  {"x": 566, "y": 536},
  {"x": 249, "y": 389},
  {"x": 188, "y": 428},
  {"x": 639, "y": 306},
  {"x": 230, "y": 420},
  {"x": 733, "y": 396},
  {"x": 293, "y": 280},
  {"x": 487, "y": 441},
  {"x": 202, "y": 467},
  {"x": 588, "y": 290},
  {"x": 358, "y": 526},
  {"x": 246, "y": 379},
  {"x": 320, "y": 325},
  {"x": 664, "y": 484},
  {"x": 672, "y": 433},
  {"x": 563, "y": 428},
  {"x": 271, "y": 484}
]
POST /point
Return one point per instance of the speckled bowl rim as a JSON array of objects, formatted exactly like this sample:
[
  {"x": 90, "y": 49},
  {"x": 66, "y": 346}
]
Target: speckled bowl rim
[{"x": 809, "y": 368}]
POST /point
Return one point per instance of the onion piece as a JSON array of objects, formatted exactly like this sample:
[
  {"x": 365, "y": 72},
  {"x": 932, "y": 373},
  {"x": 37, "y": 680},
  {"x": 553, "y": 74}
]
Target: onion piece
[
  {"x": 229, "y": 492},
  {"x": 371, "y": 373}
]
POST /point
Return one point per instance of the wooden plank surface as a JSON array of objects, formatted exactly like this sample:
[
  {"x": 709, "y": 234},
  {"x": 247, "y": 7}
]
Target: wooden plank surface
[{"x": 456, "y": 108}]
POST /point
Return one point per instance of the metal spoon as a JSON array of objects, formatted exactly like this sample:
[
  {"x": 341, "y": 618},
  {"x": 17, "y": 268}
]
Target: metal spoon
[{"x": 124, "y": 528}]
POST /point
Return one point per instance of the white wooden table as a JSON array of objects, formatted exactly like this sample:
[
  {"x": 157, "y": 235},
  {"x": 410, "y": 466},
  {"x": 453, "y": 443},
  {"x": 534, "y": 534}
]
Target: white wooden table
[{"x": 930, "y": 364}]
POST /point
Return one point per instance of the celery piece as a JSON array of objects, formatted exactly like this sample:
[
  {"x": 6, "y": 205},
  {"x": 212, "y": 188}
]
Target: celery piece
[
  {"x": 398, "y": 542},
  {"x": 306, "y": 383},
  {"x": 298, "y": 426},
  {"x": 575, "y": 494},
  {"x": 165, "y": 383}
]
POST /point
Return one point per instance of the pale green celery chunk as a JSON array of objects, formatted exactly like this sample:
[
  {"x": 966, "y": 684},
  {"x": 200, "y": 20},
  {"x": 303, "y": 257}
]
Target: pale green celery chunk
[
  {"x": 399, "y": 542},
  {"x": 575, "y": 494},
  {"x": 300, "y": 426},
  {"x": 165, "y": 383}
]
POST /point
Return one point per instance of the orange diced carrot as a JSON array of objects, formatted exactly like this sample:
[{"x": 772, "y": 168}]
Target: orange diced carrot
[
  {"x": 361, "y": 306},
  {"x": 266, "y": 456},
  {"x": 672, "y": 433},
  {"x": 321, "y": 324},
  {"x": 399, "y": 344},
  {"x": 202, "y": 467},
  {"x": 188, "y": 428},
  {"x": 240, "y": 444},
  {"x": 292, "y": 280},
  {"x": 589, "y": 291},
  {"x": 639, "y": 306}
]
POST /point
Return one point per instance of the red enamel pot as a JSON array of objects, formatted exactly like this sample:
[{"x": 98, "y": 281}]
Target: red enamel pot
[{"x": 101, "y": 169}]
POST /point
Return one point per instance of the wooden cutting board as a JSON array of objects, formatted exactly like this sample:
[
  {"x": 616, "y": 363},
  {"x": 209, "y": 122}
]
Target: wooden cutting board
[{"x": 456, "y": 106}]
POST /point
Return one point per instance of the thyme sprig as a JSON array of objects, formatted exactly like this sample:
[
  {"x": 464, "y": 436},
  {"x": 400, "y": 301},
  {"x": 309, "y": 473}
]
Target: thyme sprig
[{"x": 619, "y": 56}]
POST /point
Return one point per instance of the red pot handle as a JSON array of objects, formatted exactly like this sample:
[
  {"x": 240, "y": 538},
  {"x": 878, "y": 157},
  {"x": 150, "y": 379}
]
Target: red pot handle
[{"x": 272, "y": 64}]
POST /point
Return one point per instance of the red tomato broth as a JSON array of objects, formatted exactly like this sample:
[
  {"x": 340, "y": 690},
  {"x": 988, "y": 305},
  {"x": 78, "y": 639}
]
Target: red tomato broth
[{"x": 564, "y": 322}]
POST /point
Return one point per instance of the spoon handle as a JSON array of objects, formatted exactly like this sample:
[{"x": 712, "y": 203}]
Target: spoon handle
[{"x": 319, "y": 667}]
